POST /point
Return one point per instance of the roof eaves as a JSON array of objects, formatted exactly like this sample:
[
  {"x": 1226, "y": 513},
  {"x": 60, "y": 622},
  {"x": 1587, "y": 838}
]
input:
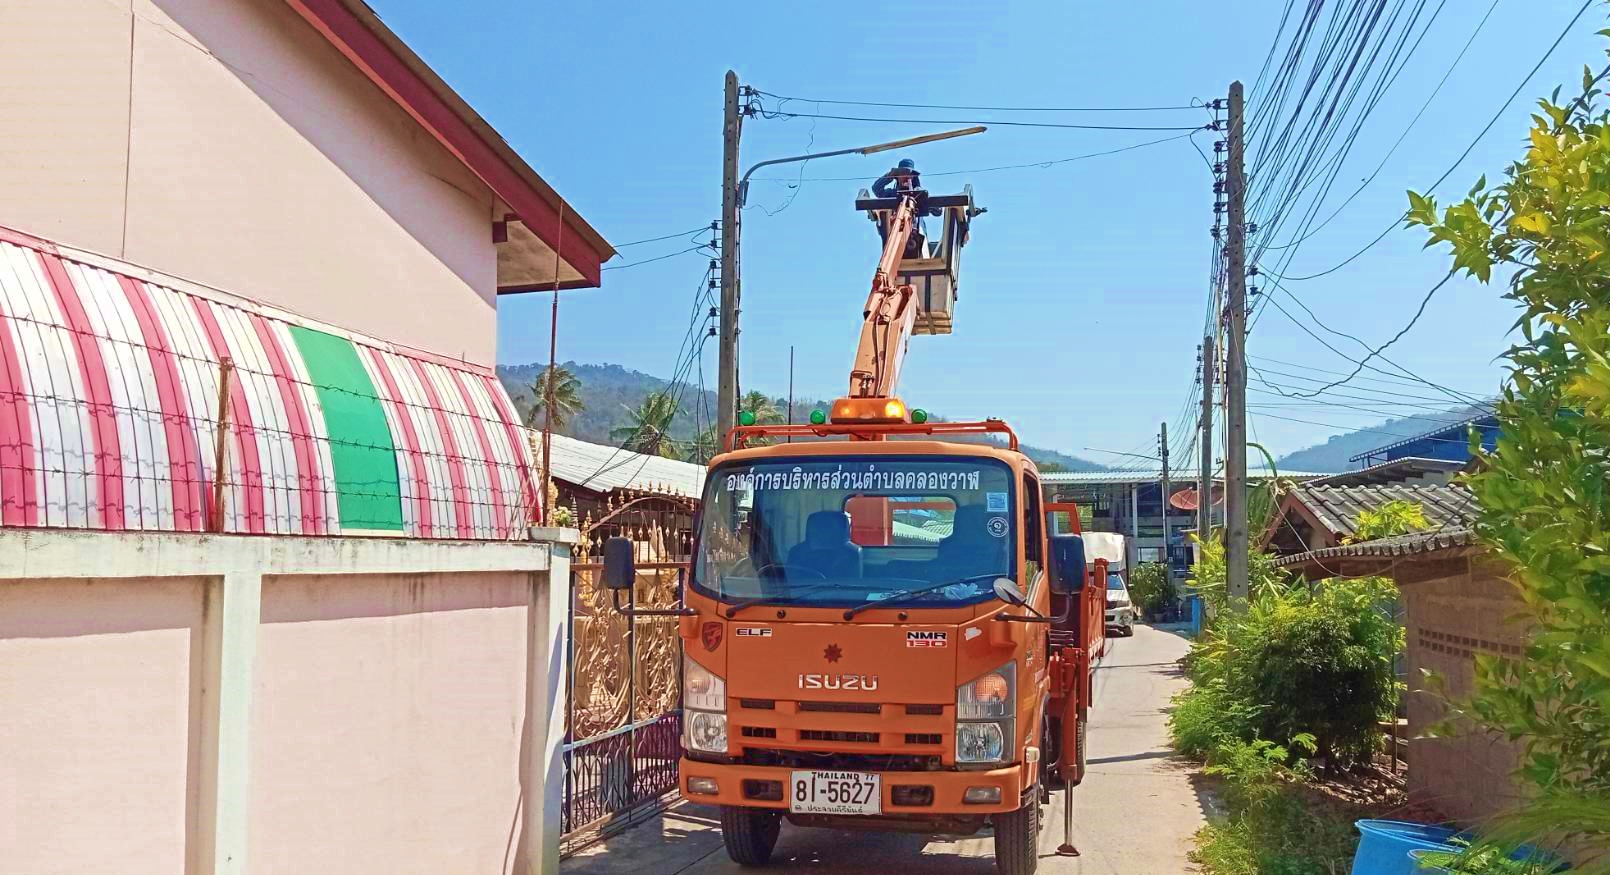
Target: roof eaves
[
  {"x": 358, "y": 33},
  {"x": 1462, "y": 540}
]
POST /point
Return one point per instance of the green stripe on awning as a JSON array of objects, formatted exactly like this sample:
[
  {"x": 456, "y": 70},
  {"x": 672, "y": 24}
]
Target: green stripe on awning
[{"x": 368, "y": 494}]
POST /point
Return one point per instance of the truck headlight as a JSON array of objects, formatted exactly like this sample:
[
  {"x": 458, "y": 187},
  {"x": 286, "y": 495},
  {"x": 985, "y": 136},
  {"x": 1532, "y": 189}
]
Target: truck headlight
[
  {"x": 704, "y": 698},
  {"x": 702, "y": 690},
  {"x": 707, "y": 732},
  {"x": 985, "y": 711},
  {"x": 980, "y": 742}
]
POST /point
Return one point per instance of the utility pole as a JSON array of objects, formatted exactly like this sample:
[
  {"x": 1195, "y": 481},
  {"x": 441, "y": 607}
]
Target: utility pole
[
  {"x": 1162, "y": 451},
  {"x": 1235, "y": 450},
  {"x": 727, "y": 385},
  {"x": 1204, "y": 481}
]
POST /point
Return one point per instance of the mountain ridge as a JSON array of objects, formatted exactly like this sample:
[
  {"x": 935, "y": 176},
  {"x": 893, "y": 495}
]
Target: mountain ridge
[{"x": 609, "y": 391}]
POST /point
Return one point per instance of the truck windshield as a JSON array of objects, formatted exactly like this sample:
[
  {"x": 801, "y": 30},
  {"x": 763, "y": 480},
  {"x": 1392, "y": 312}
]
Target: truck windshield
[{"x": 849, "y": 530}]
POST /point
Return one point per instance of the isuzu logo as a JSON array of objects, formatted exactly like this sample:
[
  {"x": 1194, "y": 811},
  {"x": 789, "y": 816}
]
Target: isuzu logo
[{"x": 864, "y": 682}]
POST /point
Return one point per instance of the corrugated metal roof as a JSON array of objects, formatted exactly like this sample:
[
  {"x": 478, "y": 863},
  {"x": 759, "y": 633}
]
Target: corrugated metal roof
[
  {"x": 1386, "y": 472},
  {"x": 1484, "y": 420},
  {"x": 1461, "y": 539},
  {"x": 1337, "y": 507},
  {"x": 110, "y": 377},
  {"x": 604, "y": 468}
]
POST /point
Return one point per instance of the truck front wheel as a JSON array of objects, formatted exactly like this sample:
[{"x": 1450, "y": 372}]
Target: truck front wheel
[
  {"x": 750, "y": 834},
  {"x": 1017, "y": 839}
]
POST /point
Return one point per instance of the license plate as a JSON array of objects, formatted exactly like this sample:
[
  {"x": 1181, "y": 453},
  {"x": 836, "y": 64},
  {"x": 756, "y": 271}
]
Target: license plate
[{"x": 835, "y": 793}]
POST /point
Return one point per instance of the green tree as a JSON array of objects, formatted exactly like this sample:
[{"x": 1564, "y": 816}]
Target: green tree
[
  {"x": 566, "y": 394},
  {"x": 650, "y": 429},
  {"x": 766, "y": 410},
  {"x": 703, "y": 447},
  {"x": 1544, "y": 492}
]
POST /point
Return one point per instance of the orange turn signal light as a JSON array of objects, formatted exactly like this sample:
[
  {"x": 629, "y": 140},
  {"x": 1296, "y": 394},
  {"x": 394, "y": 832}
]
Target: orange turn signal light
[{"x": 874, "y": 410}]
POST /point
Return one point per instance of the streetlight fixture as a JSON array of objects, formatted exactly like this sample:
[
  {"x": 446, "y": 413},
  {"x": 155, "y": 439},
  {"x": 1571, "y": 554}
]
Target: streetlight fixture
[
  {"x": 727, "y": 395},
  {"x": 743, "y": 184}
]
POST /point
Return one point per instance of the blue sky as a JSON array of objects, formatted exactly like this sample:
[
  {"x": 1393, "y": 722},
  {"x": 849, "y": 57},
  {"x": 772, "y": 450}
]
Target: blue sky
[{"x": 1084, "y": 287}]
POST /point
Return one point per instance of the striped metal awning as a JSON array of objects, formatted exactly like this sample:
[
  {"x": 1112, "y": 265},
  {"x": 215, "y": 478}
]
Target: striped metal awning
[{"x": 110, "y": 402}]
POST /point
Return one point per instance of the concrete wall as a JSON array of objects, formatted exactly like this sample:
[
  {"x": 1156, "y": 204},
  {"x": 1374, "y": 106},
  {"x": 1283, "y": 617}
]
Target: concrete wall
[
  {"x": 226, "y": 142},
  {"x": 279, "y": 705},
  {"x": 1463, "y": 610}
]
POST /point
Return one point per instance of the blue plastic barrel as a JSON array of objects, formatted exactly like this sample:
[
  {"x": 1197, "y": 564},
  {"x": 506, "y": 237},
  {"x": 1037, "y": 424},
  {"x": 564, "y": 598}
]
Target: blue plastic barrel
[{"x": 1384, "y": 846}]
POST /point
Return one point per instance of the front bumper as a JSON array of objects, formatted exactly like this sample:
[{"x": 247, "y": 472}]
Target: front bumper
[
  {"x": 1120, "y": 616},
  {"x": 948, "y": 787}
]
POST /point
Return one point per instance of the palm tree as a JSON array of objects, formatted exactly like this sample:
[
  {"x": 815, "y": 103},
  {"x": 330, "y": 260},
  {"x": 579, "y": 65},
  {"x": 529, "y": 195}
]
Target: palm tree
[
  {"x": 566, "y": 393},
  {"x": 766, "y": 410},
  {"x": 703, "y": 447},
  {"x": 650, "y": 430}
]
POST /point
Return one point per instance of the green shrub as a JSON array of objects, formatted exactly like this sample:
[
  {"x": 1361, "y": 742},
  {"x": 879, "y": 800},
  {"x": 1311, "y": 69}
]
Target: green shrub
[
  {"x": 1396, "y": 517},
  {"x": 1296, "y": 660},
  {"x": 1151, "y": 588}
]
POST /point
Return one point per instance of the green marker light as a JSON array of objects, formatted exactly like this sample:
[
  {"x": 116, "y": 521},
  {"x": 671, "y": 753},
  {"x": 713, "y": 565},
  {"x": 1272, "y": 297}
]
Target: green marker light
[
  {"x": 818, "y": 417},
  {"x": 919, "y": 416},
  {"x": 746, "y": 417}
]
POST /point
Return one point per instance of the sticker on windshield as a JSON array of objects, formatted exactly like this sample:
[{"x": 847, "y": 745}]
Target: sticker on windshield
[
  {"x": 995, "y": 502},
  {"x": 997, "y": 526}
]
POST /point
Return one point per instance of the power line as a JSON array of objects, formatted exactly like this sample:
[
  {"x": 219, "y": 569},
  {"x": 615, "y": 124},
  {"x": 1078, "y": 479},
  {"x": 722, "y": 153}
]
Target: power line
[
  {"x": 1031, "y": 165},
  {"x": 1463, "y": 155},
  {"x": 996, "y": 122},
  {"x": 699, "y": 230},
  {"x": 657, "y": 258},
  {"x": 1402, "y": 136},
  {"x": 1365, "y": 430},
  {"x": 782, "y": 97},
  {"x": 1362, "y": 363}
]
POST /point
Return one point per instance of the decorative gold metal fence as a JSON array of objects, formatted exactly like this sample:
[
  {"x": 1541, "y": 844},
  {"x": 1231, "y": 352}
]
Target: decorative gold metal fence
[{"x": 624, "y": 704}]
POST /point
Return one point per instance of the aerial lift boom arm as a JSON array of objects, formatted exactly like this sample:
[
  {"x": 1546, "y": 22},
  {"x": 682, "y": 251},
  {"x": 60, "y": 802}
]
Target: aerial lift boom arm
[{"x": 889, "y": 314}]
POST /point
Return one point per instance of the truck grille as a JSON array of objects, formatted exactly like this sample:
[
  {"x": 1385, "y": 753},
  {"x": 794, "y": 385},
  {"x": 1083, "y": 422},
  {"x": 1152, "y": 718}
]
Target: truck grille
[
  {"x": 845, "y": 762},
  {"x": 840, "y": 737},
  {"x": 842, "y": 707}
]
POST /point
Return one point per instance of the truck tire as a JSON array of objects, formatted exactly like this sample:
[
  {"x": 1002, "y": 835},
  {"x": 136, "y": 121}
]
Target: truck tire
[
  {"x": 1017, "y": 839},
  {"x": 750, "y": 834}
]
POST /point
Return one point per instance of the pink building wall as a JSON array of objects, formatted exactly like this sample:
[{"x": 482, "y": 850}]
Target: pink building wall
[
  {"x": 95, "y": 724},
  {"x": 392, "y": 743},
  {"x": 227, "y": 143},
  {"x": 341, "y": 706}
]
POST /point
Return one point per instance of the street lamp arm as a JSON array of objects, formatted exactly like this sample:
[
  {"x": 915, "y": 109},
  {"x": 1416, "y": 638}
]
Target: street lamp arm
[{"x": 743, "y": 184}]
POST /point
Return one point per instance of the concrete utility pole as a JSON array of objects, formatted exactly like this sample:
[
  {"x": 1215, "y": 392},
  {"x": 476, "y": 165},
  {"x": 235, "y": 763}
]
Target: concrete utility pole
[
  {"x": 727, "y": 386},
  {"x": 1204, "y": 480},
  {"x": 1235, "y": 450},
  {"x": 1162, "y": 451}
]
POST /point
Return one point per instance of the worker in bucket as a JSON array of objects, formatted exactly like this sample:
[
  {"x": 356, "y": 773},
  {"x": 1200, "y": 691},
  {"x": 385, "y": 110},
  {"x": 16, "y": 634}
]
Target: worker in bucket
[{"x": 903, "y": 177}]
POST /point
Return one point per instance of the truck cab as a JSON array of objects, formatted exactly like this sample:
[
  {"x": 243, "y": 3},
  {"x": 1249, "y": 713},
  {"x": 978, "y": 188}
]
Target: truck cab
[{"x": 880, "y": 634}]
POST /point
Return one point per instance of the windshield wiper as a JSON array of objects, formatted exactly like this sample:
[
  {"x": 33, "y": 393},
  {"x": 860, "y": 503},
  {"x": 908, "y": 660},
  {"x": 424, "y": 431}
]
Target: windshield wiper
[
  {"x": 735, "y": 607},
  {"x": 910, "y": 593}
]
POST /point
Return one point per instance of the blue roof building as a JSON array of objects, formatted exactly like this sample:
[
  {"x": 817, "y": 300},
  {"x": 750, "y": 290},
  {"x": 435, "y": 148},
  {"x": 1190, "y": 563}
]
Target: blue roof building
[{"x": 1450, "y": 443}]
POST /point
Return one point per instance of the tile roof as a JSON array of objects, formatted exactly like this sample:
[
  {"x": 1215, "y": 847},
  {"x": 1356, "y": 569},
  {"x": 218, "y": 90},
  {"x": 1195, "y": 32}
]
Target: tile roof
[
  {"x": 1461, "y": 539},
  {"x": 1337, "y": 508}
]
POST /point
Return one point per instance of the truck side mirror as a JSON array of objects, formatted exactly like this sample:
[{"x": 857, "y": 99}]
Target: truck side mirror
[
  {"x": 1068, "y": 567},
  {"x": 620, "y": 566}
]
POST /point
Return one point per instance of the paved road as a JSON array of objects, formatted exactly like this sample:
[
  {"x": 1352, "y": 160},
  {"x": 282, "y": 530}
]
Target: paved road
[{"x": 1134, "y": 814}]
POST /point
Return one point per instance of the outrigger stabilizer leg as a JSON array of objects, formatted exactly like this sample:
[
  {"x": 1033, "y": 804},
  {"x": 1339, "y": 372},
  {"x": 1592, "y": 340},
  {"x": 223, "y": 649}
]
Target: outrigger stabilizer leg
[{"x": 1066, "y": 849}]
